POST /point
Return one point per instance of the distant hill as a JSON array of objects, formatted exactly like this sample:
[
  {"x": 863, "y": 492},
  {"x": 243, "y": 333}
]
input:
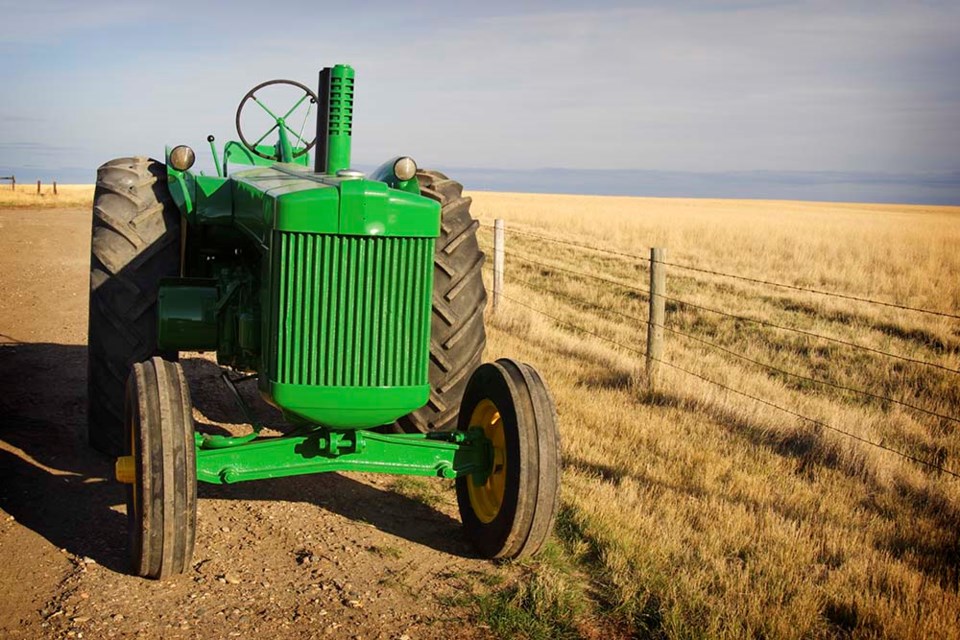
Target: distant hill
[{"x": 830, "y": 186}]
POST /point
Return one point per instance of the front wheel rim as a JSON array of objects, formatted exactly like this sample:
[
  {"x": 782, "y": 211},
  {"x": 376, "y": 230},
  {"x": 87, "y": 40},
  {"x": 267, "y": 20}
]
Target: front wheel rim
[
  {"x": 487, "y": 499},
  {"x": 133, "y": 486}
]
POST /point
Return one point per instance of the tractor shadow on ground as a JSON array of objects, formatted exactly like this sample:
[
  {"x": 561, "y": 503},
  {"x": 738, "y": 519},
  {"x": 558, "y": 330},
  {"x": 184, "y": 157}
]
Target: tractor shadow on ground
[
  {"x": 53, "y": 483},
  {"x": 217, "y": 406},
  {"x": 386, "y": 510},
  {"x": 382, "y": 508}
]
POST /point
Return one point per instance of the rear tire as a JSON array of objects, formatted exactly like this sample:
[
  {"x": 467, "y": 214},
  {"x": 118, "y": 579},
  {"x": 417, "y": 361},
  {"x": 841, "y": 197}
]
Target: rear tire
[
  {"x": 457, "y": 336},
  {"x": 135, "y": 243}
]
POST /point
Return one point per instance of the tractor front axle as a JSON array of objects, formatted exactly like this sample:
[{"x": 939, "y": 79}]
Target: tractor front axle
[{"x": 444, "y": 455}]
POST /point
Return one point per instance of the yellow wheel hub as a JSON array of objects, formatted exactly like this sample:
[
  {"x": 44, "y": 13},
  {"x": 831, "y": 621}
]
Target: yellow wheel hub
[
  {"x": 487, "y": 498},
  {"x": 126, "y": 469}
]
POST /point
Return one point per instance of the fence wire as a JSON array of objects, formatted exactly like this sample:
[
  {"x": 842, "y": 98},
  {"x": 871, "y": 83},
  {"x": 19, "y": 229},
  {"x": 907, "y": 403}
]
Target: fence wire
[
  {"x": 571, "y": 243},
  {"x": 757, "y": 321},
  {"x": 740, "y": 356},
  {"x": 735, "y": 276},
  {"x": 820, "y": 423}
]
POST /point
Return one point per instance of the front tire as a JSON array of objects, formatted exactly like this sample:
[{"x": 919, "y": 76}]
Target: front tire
[
  {"x": 511, "y": 514},
  {"x": 135, "y": 243},
  {"x": 162, "y": 497}
]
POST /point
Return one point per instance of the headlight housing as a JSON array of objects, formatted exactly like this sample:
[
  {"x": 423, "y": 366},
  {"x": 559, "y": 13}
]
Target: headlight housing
[
  {"x": 182, "y": 157},
  {"x": 405, "y": 168}
]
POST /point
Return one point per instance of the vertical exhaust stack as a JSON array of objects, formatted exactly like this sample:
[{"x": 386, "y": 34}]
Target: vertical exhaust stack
[{"x": 334, "y": 119}]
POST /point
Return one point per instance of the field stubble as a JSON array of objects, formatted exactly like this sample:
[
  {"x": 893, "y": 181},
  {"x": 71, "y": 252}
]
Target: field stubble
[
  {"x": 26, "y": 196},
  {"x": 693, "y": 511}
]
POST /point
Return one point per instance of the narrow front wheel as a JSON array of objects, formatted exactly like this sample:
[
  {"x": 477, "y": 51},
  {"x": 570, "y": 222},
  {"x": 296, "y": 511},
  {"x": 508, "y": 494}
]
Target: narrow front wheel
[
  {"x": 160, "y": 469},
  {"x": 509, "y": 512}
]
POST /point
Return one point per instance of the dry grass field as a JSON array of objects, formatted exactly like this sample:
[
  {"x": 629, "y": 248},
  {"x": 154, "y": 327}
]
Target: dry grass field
[
  {"x": 691, "y": 511},
  {"x": 26, "y": 196}
]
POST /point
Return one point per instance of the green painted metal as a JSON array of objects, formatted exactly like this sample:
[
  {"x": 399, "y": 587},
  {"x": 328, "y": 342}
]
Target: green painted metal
[
  {"x": 320, "y": 284},
  {"x": 187, "y": 310},
  {"x": 214, "y": 201},
  {"x": 210, "y": 441},
  {"x": 216, "y": 161},
  {"x": 438, "y": 455},
  {"x": 199, "y": 195},
  {"x": 344, "y": 407},
  {"x": 182, "y": 186},
  {"x": 286, "y": 151},
  {"x": 289, "y": 198},
  {"x": 235, "y": 153},
  {"x": 384, "y": 173},
  {"x": 351, "y": 316},
  {"x": 368, "y": 207},
  {"x": 335, "y": 119}
]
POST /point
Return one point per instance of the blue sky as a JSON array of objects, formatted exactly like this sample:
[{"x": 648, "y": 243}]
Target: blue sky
[{"x": 749, "y": 99}]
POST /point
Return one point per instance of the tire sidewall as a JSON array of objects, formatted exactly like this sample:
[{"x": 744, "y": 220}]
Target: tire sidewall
[
  {"x": 492, "y": 538},
  {"x": 166, "y": 518}
]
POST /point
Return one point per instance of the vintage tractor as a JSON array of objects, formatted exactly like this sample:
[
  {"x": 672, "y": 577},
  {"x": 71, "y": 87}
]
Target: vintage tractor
[{"x": 355, "y": 302}]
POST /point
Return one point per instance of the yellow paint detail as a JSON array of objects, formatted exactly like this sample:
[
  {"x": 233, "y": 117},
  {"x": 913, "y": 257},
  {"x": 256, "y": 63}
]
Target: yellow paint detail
[
  {"x": 125, "y": 470},
  {"x": 486, "y": 499}
]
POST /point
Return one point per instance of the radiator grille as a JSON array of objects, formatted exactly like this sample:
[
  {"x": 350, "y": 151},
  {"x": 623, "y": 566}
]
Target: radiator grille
[{"x": 351, "y": 311}]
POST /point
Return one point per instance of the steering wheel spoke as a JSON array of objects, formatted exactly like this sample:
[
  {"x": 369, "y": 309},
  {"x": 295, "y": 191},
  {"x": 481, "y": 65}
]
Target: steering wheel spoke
[
  {"x": 294, "y": 107},
  {"x": 278, "y": 121},
  {"x": 264, "y": 107},
  {"x": 294, "y": 133},
  {"x": 269, "y": 131}
]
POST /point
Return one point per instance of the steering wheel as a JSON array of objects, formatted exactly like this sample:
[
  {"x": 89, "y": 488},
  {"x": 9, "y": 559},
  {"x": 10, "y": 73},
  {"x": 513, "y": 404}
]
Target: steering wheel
[{"x": 279, "y": 121}]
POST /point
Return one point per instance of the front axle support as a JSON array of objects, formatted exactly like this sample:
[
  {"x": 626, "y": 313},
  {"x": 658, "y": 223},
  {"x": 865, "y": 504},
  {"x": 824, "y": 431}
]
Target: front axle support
[{"x": 444, "y": 455}]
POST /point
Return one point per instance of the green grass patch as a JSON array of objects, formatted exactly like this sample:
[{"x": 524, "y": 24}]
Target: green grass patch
[
  {"x": 545, "y": 602},
  {"x": 567, "y": 591},
  {"x": 633, "y": 608},
  {"x": 419, "y": 489}
]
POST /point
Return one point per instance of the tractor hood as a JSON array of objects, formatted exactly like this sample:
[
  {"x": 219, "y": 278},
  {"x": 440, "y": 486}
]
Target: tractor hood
[{"x": 290, "y": 197}]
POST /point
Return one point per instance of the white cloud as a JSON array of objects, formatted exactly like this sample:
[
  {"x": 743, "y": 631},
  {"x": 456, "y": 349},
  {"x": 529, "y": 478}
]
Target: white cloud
[
  {"x": 681, "y": 87},
  {"x": 49, "y": 20}
]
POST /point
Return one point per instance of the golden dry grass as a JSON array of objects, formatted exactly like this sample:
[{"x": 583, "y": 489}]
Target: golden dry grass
[
  {"x": 700, "y": 513},
  {"x": 25, "y": 195}
]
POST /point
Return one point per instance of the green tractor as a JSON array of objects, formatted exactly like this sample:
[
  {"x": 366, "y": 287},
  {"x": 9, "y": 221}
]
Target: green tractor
[{"x": 354, "y": 301}]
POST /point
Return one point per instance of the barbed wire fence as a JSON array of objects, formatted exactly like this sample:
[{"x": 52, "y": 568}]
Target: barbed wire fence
[
  {"x": 13, "y": 184},
  {"x": 782, "y": 285},
  {"x": 656, "y": 324}
]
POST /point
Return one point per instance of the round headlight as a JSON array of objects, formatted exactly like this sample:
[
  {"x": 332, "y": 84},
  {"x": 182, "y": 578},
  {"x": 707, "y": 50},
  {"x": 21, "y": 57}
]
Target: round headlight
[
  {"x": 405, "y": 168},
  {"x": 182, "y": 157}
]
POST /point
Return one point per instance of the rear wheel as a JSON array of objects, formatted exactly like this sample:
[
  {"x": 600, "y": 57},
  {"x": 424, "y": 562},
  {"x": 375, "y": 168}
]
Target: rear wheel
[
  {"x": 510, "y": 512},
  {"x": 135, "y": 243},
  {"x": 160, "y": 470},
  {"x": 457, "y": 336}
]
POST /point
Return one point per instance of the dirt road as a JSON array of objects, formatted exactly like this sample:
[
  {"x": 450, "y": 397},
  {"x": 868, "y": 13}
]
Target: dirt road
[{"x": 334, "y": 555}]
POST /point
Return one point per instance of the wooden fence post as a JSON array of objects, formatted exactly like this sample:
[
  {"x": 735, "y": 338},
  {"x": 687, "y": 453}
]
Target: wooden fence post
[
  {"x": 54, "y": 187},
  {"x": 658, "y": 288},
  {"x": 38, "y": 187},
  {"x": 498, "y": 254},
  {"x": 13, "y": 183}
]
